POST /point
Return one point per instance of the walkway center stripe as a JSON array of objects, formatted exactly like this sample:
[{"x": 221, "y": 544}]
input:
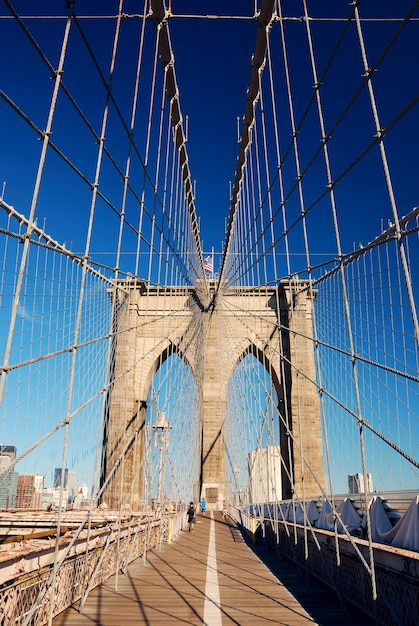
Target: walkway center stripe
[{"x": 212, "y": 607}]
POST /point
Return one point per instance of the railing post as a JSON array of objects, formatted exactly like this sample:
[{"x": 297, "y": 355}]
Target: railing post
[{"x": 254, "y": 529}]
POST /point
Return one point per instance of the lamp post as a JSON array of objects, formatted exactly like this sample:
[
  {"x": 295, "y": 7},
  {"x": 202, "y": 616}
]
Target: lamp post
[
  {"x": 161, "y": 442},
  {"x": 236, "y": 472}
]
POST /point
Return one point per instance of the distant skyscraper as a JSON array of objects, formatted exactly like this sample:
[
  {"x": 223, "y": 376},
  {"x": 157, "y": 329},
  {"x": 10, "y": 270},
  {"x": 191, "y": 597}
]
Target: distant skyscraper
[
  {"x": 356, "y": 483},
  {"x": 265, "y": 474},
  {"x": 7, "y": 454},
  {"x": 84, "y": 490},
  {"x": 72, "y": 483},
  {"x": 54, "y": 497},
  {"x": 4, "y": 461},
  {"x": 29, "y": 492},
  {"x": 8, "y": 479},
  {"x": 57, "y": 477},
  {"x": 8, "y": 489},
  {"x": 8, "y": 451}
]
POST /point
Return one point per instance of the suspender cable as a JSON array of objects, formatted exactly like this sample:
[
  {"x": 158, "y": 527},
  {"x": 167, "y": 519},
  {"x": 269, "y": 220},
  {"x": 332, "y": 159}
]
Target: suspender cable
[{"x": 265, "y": 19}]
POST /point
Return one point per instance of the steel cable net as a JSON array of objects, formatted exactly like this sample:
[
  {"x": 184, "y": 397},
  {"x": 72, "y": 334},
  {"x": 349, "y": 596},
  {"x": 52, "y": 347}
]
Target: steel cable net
[
  {"x": 114, "y": 213},
  {"x": 321, "y": 200},
  {"x": 96, "y": 204},
  {"x": 321, "y": 204},
  {"x": 100, "y": 244}
]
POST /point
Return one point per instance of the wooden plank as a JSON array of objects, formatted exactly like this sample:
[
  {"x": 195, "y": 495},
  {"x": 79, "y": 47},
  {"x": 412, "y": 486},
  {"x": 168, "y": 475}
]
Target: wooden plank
[{"x": 169, "y": 588}]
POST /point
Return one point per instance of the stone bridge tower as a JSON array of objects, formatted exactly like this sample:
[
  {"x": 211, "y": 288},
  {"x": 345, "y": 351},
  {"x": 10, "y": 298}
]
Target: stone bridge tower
[{"x": 212, "y": 331}]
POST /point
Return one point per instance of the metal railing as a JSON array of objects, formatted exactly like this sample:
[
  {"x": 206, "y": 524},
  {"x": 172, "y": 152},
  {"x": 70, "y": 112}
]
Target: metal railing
[{"x": 25, "y": 596}]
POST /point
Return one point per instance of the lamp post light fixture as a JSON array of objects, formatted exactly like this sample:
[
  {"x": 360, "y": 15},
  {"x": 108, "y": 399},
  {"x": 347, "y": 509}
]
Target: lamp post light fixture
[{"x": 161, "y": 442}]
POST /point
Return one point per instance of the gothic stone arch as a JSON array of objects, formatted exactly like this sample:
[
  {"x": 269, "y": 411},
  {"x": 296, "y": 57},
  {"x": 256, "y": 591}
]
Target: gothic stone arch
[
  {"x": 212, "y": 330},
  {"x": 284, "y": 426},
  {"x": 150, "y": 324}
]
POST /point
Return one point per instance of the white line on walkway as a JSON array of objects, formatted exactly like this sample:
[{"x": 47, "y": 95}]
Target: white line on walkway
[{"x": 212, "y": 607}]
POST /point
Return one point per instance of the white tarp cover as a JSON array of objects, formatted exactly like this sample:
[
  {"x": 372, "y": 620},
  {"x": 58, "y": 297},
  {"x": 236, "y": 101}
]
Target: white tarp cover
[
  {"x": 281, "y": 510},
  {"x": 324, "y": 517},
  {"x": 405, "y": 534},
  {"x": 291, "y": 511},
  {"x": 311, "y": 512},
  {"x": 347, "y": 513}
]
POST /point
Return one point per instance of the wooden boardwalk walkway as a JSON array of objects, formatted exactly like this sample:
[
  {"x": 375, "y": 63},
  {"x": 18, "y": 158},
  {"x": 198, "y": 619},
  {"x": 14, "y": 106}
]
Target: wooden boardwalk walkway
[{"x": 210, "y": 577}]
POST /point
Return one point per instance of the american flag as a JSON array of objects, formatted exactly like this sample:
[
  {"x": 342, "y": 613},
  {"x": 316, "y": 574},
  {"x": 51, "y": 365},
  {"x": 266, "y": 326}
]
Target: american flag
[{"x": 208, "y": 264}]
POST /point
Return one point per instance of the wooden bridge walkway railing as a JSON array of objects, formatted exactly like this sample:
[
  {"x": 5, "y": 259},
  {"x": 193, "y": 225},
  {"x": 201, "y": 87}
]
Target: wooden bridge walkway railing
[{"x": 209, "y": 576}]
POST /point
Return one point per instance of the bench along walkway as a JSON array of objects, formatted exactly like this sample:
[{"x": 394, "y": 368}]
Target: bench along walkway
[{"x": 208, "y": 576}]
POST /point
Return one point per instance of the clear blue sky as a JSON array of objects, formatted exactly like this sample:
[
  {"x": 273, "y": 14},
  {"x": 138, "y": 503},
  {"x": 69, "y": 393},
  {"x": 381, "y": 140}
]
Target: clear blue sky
[{"x": 213, "y": 62}]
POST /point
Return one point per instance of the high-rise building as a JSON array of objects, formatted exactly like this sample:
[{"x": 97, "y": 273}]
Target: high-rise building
[
  {"x": 9, "y": 451},
  {"x": 84, "y": 490},
  {"x": 39, "y": 483},
  {"x": 356, "y": 483},
  {"x": 29, "y": 492},
  {"x": 264, "y": 467},
  {"x": 54, "y": 497},
  {"x": 8, "y": 489},
  {"x": 72, "y": 483},
  {"x": 8, "y": 479},
  {"x": 57, "y": 477},
  {"x": 7, "y": 455}
]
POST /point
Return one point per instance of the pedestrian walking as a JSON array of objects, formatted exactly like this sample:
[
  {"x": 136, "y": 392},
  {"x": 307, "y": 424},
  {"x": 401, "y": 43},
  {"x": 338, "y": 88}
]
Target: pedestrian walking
[
  {"x": 190, "y": 514},
  {"x": 224, "y": 510}
]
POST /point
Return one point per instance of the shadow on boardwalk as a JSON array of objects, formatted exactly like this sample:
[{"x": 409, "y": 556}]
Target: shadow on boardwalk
[{"x": 317, "y": 599}]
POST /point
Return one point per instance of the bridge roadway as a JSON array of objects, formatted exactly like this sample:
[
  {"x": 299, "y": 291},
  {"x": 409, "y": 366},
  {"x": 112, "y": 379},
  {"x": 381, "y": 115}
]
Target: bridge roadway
[{"x": 211, "y": 577}]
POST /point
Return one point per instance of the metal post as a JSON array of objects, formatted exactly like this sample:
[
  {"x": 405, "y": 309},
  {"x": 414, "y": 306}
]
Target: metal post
[{"x": 161, "y": 429}]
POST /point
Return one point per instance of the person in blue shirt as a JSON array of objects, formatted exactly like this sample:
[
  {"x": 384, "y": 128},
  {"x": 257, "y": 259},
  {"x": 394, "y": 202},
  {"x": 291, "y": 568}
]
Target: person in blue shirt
[{"x": 203, "y": 506}]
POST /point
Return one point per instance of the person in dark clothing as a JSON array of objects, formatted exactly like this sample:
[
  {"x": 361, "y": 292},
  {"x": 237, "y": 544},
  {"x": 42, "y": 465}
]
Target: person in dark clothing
[{"x": 190, "y": 514}]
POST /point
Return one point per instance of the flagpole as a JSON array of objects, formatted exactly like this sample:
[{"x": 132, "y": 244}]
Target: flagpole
[{"x": 212, "y": 275}]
